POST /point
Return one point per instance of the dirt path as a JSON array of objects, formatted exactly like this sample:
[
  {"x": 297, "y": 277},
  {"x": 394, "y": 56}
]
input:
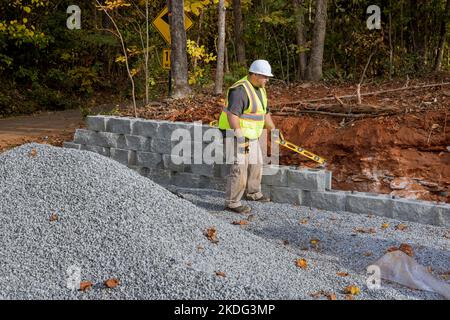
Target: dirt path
[{"x": 52, "y": 127}]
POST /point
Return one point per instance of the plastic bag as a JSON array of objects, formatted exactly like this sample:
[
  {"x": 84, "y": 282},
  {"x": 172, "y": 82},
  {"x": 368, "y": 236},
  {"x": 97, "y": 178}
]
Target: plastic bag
[{"x": 398, "y": 267}]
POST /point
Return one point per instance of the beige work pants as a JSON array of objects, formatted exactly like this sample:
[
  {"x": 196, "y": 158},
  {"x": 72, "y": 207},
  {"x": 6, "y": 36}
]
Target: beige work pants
[{"x": 245, "y": 173}]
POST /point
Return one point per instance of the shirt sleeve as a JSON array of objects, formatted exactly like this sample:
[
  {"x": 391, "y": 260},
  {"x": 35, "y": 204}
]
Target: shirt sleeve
[{"x": 237, "y": 101}]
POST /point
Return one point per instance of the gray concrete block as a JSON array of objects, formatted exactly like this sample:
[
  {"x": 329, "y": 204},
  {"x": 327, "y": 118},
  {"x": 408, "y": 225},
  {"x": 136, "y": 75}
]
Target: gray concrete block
[
  {"x": 141, "y": 170},
  {"x": 118, "y": 125},
  {"x": 138, "y": 143},
  {"x": 72, "y": 145},
  {"x": 100, "y": 150},
  {"x": 203, "y": 169},
  {"x": 100, "y": 139},
  {"x": 275, "y": 176},
  {"x": 96, "y": 123},
  {"x": 444, "y": 215},
  {"x": 121, "y": 156},
  {"x": 416, "y": 211},
  {"x": 212, "y": 183},
  {"x": 332, "y": 200},
  {"x": 185, "y": 180},
  {"x": 286, "y": 195},
  {"x": 167, "y": 128},
  {"x": 380, "y": 205},
  {"x": 266, "y": 190},
  {"x": 161, "y": 177},
  {"x": 173, "y": 163},
  {"x": 161, "y": 146},
  {"x": 306, "y": 179},
  {"x": 328, "y": 180},
  {"x": 145, "y": 128},
  {"x": 149, "y": 159}
]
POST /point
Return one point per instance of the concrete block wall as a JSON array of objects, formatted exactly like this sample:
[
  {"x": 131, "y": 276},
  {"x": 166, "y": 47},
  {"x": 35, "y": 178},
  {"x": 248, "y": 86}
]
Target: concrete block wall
[{"x": 147, "y": 147}]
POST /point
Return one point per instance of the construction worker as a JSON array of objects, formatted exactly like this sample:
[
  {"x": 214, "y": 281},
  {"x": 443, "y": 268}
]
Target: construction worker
[{"x": 247, "y": 113}]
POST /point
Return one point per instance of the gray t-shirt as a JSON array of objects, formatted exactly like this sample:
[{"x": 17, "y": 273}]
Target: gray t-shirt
[{"x": 238, "y": 100}]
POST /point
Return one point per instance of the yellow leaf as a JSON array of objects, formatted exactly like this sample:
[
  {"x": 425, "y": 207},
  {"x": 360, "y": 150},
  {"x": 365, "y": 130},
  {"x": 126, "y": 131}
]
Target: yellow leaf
[
  {"x": 314, "y": 241},
  {"x": 25, "y": 20},
  {"x": 301, "y": 263},
  {"x": 353, "y": 290},
  {"x": 27, "y": 9},
  {"x": 385, "y": 226}
]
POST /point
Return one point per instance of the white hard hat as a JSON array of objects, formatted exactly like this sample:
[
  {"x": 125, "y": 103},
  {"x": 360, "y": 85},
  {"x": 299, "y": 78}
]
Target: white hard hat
[{"x": 261, "y": 67}]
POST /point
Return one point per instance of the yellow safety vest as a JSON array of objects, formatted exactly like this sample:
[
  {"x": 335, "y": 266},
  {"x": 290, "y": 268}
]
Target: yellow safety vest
[{"x": 252, "y": 120}]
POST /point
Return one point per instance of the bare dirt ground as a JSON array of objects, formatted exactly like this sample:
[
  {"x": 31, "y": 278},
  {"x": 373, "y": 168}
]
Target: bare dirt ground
[{"x": 393, "y": 142}]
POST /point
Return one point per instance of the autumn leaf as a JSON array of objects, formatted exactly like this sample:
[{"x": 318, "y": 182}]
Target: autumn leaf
[
  {"x": 314, "y": 241},
  {"x": 240, "y": 222},
  {"x": 301, "y": 263},
  {"x": 406, "y": 248},
  {"x": 304, "y": 221},
  {"x": 367, "y": 254},
  {"x": 112, "y": 283},
  {"x": 362, "y": 230},
  {"x": 54, "y": 217},
  {"x": 349, "y": 297},
  {"x": 199, "y": 248},
  {"x": 211, "y": 234},
  {"x": 33, "y": 153},
  {"x": 285, "y": 242},
  {"x": 353, "y": 290},
  {"x": 342, "y": 274},
  {"x": 331, "y": 296},
  {"x": 220, "y": 274},
  {"x": 401, "y": 227},
  {"x": 84, "y": 285},
  {"x": 385, "y": 226}
]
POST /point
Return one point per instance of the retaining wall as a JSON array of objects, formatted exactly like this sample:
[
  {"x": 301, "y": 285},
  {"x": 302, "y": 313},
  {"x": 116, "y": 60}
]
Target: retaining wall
[{"x": 155, "y": 150}]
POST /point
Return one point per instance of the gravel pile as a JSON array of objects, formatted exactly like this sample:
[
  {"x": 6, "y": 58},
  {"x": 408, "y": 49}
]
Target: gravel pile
[{"x": 63, "y": 209}]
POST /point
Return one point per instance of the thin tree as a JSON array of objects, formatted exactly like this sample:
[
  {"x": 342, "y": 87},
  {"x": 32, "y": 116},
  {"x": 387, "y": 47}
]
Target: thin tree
[
  {"x": 301, "y": 40},
  {"x": 442, "y": 37},
  {"x": 178, "y": 54},
  {"x": 238, "y": 33},
  {"x": 314, "y": 70},
  {"x": 220, "y": 48}
]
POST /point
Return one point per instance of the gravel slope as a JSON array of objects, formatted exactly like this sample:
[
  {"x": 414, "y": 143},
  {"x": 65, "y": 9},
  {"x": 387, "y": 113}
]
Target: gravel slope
[{"x": 113, "y": 223}]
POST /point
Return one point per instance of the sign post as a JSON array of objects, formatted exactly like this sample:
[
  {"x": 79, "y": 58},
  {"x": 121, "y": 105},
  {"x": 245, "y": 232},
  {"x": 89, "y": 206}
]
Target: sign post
[{"x": 162, "y": 24}]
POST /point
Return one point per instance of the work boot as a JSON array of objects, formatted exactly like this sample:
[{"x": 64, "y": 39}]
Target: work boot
[
  {"x": 243, "y": 209},
  {"x": 262, "y": 199}
]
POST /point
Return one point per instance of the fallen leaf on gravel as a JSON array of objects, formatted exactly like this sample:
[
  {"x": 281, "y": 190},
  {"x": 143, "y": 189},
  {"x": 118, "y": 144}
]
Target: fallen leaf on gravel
[
  {"x": 406, "y": 248},
  {"x": 367, "y": 254},
  {"x": 332, "y": 296},
  {"x": 362, "y": 230},
  {"x": 401, "y": 227},
  {"x": 301, "y": 263},
  {"x": 285, "y": 242},
  {"x": 430, "y": 269},
  {"x": 370, "y": 216},
  {"x": 211, "y": 234},
  {"x": 385, "y": 226},
  {"x": 240, "y": 222},
  {"x": 349, "y": 297},
  {"x": 220, "y": 274},
  {"x": 112, "y": 283},
  {"x": 304, "y": 221},
  {"x": 84, "y": 285},
  {"x": 54, "y": 217},
  {"x": 33, "y": 153},
  {"x": 314, "y": 241},
  {"x": 200, "y": 248},
  {"x": 342, "y": 274},
  {"x": 353, "y": 290},
  {"x": 447, "y": 236}
]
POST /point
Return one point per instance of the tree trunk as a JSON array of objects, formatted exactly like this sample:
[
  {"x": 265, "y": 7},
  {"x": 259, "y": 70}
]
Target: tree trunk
[
  {"x": 418, "y": 34},
  {"x": 442, "y": 37},
  {"x": 178, "y": 54},
  {"x": 301, "y": 40},
  {"x": 221, "y": 48},
  {"x": 238, "y": 32},
  {"x": 314, "y": 70}
]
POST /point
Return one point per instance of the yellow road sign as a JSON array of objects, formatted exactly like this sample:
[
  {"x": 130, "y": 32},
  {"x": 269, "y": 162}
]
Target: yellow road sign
[
  {"x": 166, "y": 59},
  {"x": 161, "y": 23}
]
